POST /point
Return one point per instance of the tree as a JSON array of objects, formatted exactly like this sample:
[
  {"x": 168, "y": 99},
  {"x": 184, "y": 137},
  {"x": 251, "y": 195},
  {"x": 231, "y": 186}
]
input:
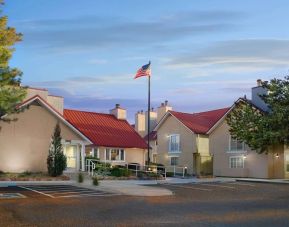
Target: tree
[
  {"x": 56, "y": 160},
  {"x": 11, "y": 93},
  {"x": 263, "y": 130}
]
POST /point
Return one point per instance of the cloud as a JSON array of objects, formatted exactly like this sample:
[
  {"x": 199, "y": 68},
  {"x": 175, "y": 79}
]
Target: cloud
[
  {"x": 237, "y": 56},
  {"x": 96, "y": 32},
  {"x": 76, "y": 84}
]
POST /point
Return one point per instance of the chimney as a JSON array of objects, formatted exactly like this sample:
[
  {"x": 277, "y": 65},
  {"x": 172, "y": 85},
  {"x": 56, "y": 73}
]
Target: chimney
[
  {"x": 256, "y": 93},
  {"x": 118, "y": 112},
  {"x": 153, "y": 120},
  {"x": 140, "y": 126},
  {"x": 162, "y": 110}
]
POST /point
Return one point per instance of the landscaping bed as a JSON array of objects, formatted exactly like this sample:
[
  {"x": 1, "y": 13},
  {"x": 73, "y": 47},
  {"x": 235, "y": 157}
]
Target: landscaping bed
[{"x": 28, "y": 176}]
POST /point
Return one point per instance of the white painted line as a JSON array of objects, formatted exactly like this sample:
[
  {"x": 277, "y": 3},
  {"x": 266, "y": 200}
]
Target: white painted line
[
  {"x": 220, "y": 186},
  {"x": 196, "y": 188},
  {"x": 63, "y": 190},
  {"x": 36, "y": 191},
  {"x": 56, "y": 193},
  {"x": 245, "y": 184},
  {"x": 86, "y": 195}
]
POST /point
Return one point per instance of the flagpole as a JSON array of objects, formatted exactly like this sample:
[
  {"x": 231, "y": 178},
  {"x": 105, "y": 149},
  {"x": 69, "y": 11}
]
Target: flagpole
[{"x": 149, "y": 116}]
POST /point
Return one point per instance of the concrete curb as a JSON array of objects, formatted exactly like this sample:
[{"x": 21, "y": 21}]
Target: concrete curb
[
  {"x": 15, "y": 183},
  {"x": 263, "y": 181}
]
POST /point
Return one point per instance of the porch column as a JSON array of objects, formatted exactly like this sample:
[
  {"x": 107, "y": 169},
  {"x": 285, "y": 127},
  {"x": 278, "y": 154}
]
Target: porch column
[{"x": 82, "y": 157}]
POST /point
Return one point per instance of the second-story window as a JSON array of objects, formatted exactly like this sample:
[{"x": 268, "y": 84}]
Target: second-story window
[
  {"x": 174, "y": 143},
  {"x": 236, "y": 145}
]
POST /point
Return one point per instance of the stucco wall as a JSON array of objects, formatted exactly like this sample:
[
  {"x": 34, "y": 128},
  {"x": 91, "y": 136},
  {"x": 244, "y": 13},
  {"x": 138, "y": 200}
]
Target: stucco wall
[
  {"x": 187, "y": 143},
  {"x": 255, "y": 165},
  {"x": 24, "y": 143}
]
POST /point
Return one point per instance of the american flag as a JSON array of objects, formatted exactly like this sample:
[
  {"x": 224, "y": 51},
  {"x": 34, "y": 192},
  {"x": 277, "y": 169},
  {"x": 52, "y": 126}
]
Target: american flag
[{"x": 145, "y": 70}]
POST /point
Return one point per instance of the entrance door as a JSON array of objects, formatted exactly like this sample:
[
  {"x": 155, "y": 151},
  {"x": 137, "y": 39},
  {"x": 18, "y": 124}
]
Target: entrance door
[{"x": 70, "y": 153}]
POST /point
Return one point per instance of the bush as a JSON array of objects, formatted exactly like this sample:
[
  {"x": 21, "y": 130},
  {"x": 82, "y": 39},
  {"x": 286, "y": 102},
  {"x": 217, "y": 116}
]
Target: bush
[
  {"x": 56, "y": 160},
  {"x": 80, "y": 178},
  {"x": 95, "y": 181},
  {"x": 170, "y": 174},
  {"x": 25, "y": 174},
  {"x": 1, "y": 172},
  {"x": 120, "y": 172}
]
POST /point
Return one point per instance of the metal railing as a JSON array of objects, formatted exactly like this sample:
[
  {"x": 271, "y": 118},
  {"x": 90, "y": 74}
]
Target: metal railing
[
  {"x": 177, "y": 170},
  {"x": 147, "y": 169},
  {"x": 90, "y": 166}
]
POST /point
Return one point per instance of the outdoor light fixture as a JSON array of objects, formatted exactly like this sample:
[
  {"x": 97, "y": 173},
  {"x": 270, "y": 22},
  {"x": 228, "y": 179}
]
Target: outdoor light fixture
[
  {"x": 149, "y": 169},
  {"x": 244, "y": 156},
  {"x": 277, "y": 155}
]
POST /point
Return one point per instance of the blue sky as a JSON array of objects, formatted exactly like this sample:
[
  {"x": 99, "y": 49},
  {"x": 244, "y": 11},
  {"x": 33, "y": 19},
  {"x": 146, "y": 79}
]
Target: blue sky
[{"x": 205, "y": 54}]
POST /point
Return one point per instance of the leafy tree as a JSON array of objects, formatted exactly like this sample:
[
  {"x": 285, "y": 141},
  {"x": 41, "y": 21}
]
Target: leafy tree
[
  {"x": 11, "y": 93},
  {"x": 56, "y": 160},
  {"x": 263, "y": 130}
]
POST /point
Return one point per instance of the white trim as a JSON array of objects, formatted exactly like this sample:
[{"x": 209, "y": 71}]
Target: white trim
[
  {"x": 56, "y": 114},
  {"x": 237, "y": 156},
  {"x": 179, "y": 143},
  {"x": 235, "y": 151},
  {"x": 221, "y": 120}
]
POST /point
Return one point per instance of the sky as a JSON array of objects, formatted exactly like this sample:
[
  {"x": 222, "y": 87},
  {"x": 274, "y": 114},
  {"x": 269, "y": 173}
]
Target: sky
[{"x": 204, "y": 53}]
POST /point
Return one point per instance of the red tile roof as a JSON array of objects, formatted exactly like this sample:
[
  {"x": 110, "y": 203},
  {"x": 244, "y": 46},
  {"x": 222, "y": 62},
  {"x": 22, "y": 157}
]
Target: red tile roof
[
  {"x": 200, "y": 122},
  {"x": 105, "y": 129}
]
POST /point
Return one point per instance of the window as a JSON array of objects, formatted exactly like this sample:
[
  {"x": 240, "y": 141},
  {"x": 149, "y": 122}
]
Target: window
[
  {"x": 174, "y": 161},
  {"x": 237, "y": 162},
  {"x": 174, "y": 143},
  {"x": 236, "y": 145},
  {"x": 115, "y": 154}
]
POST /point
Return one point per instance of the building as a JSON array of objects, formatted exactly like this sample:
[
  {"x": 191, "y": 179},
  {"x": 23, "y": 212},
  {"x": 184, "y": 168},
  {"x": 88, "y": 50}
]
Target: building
[
  {"x": 233, "y": 158},
  {"x": 183, "y": 140},
  {"x": 25, "y": 142}
]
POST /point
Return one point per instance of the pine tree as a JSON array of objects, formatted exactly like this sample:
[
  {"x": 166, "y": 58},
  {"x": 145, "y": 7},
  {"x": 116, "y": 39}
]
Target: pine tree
[
  {"x": 261, "y": 130},
  {"x": 56, "y": 160},
  {"x": 11, "y": 93}
]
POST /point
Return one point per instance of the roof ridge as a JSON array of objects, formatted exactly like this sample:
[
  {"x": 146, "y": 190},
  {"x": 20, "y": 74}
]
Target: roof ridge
[
  {"x": 85, "y": 111},
  {"x": 199, "y": 112}
]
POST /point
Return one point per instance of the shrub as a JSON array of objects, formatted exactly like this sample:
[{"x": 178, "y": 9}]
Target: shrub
[
  {"x": 170, "y": 174},
  {"x": 56, "y": 160},
  {"x": 120, "y": 172},
  {"x": 25, "y": 174},
  {"x": 80, "y": 178},
  {"x": 1, "y": 172},
  {"x": 95, "y": 181}
]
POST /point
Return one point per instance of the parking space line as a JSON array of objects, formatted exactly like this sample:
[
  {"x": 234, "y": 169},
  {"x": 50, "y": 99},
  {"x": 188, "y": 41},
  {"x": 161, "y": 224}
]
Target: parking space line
[
  {"x": 71, "y": 192},
  {"x": 36, "y": 191},
  {"x": 66, "y": 190},
  {"x": 220, "y": 186},
  {"x": 196, "y": 188},
  {"x": 87, "y": 195}
]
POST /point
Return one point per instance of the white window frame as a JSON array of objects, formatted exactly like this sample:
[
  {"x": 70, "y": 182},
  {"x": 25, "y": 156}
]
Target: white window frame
[
  {"x": 170, "y": 143},
  {"x": 230, "y": 161},
  {"x": 109, "y": 150},
  {"x": 177, "y": 160},
  {"x": 230, "y": 150}
]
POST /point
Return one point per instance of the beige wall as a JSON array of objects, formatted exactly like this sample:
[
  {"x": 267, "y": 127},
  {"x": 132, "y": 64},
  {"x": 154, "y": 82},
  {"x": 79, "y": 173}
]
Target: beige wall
[
  {"x": 255, "y": 165},
  {"x": 24, "y": 143},
  {"x": 187, "y": 143}
]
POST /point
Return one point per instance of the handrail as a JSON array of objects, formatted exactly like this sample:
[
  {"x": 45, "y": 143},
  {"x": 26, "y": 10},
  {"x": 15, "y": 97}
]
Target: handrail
[{"x": 90, "y": 166}]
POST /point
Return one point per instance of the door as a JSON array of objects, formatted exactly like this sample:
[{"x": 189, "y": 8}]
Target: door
[{"x": 70, "y": 153}]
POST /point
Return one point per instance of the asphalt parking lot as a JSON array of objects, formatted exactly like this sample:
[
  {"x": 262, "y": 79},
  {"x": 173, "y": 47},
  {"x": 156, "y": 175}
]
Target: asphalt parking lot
[{"x": 208, "y": 204}]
